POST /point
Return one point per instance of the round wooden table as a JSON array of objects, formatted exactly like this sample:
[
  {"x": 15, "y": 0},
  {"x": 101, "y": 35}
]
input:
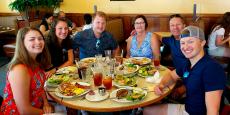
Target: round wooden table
[{"x": 110, "y": 105}]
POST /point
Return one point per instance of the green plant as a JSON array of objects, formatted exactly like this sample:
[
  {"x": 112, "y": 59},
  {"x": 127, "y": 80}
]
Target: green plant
[{"x": 24, "y": 5}]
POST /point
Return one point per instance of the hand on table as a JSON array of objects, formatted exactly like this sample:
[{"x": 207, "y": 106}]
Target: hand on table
[
  {"x": 50, "y": 73},
  {"x": 159, "y": 89}
]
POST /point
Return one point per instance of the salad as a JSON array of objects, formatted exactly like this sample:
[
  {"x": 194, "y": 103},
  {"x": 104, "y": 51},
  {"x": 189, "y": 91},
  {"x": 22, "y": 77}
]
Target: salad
[
  {"x": 136, "y": 94},
  {"x": 146, "y": 71},
  {"x": 121, "y": 80},
  {"x": 57, "y": 79}
]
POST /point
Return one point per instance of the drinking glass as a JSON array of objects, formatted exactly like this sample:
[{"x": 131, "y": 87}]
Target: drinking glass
[
  {"x": 107, "y": 82},
  {"x": 97, "y": 79},
  {"x": 83, "y": 74},
  {"x": 108, "y": 53},
  {"x": 97, "y": 76}
]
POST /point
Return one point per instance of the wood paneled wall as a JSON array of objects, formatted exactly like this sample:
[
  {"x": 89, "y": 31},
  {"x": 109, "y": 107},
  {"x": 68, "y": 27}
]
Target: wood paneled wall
[{"x": 157, "y": 22}]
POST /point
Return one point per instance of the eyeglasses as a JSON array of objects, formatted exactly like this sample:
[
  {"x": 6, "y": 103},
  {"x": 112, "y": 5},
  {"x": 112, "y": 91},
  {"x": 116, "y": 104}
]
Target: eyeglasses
[
  {"x": 98, "y": 43},
  {"x": 139, "y": 23}
]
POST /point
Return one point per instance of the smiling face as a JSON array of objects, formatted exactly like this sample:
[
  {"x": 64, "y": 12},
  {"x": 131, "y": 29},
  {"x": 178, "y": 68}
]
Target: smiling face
[
  {"x": 34, "y": 43},
  {"x": 61, "y": 30},
  {"x": 99, "y": 24},
  {"x": 176, "y": 25},
  {"x": 139, "y": 25},
  {"x": 192, "y": 47}
]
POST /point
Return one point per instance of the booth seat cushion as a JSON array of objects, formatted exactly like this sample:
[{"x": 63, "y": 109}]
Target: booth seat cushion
[{"x": 9, "y": 49}]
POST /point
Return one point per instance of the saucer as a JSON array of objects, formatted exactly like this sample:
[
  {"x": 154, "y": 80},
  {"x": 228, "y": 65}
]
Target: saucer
[{"x": 97, "y": 97}]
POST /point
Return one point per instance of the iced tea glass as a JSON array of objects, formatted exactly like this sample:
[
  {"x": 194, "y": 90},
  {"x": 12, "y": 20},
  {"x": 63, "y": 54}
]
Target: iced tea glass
[
  {"x": 107, "y": 82},
  {"x": 97, "y": 78}
]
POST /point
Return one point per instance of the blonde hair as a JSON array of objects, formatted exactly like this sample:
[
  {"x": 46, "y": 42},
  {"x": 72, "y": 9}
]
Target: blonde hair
[
  {"x": 22, "y": 56},
  {"x": 100, "y": 14}
]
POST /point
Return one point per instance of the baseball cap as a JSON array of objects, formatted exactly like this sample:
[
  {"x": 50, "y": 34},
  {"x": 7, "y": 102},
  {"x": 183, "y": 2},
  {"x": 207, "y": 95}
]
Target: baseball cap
[{"x": 192, "y": 31}]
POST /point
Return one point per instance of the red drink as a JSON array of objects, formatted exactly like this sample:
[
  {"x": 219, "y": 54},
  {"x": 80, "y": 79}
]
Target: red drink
[
  {"x": 156, "y": 63},
  {"x": 107, "y": 82},
  {"x": 97, "y": 79}
]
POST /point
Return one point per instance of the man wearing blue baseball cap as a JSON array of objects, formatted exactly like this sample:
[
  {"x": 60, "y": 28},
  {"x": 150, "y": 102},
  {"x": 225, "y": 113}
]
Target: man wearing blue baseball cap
[{"x": 204, "y": 79}]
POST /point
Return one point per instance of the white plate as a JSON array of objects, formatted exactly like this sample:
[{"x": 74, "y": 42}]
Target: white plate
[
  {"x": 57, "y": 92},
  {"x": 96, "y": 96},
  {"x": 139, "y": 58},
  {"x": 123, "y": 100},
  {"x": 123, "y": 86},
  {"x": 50, "y": 84},
  {"x": 67, "y": 70},
  {"x": 125, "y": 72},
  {"x": 88, "y": 60}
]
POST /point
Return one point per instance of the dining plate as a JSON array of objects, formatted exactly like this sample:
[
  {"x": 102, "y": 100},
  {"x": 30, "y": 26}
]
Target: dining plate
[
  {"x": 96, "y": 97},
  {"x": 122, "y": 81},
  {"x": 88, "y": 60},
  {"x": 72, "y": 90},
  {"x": 138, "y": 60},
  {"x": 133, "y": 92},
  {"x": 67, "y": 70},
  {"x": 57, "y": 79},
  {"x": 127, "y": 69}
]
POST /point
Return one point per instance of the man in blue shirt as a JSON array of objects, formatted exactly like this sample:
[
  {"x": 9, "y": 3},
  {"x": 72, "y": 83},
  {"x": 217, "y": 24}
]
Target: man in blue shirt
[
  {"x": 95, "y": 40},
  {"x": 204, "y": 79},
  {"x": 176, "y": 25}
]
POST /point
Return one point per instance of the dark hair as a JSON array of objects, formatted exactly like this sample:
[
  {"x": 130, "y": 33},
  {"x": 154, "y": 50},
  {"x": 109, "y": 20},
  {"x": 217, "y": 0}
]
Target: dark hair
[
  {"x": 143, "y": 17},
  {"x": 177, "y": 16},
  {"x": 22, "y": 56},
  {"x": 88, "y": 18},
  {"x": 52, "y": 35},
  {"x": 44, "y": 22},
  {"x": 224, "y": 22}
]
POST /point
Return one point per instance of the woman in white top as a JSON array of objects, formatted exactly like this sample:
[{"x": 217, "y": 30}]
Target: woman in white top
[{"x": 219, "y": 38}]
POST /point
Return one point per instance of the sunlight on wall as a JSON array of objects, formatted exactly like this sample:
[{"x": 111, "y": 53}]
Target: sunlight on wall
[
  {"x": 146, "y": 6},
  {"x": 4, "y": 6},
  {"x": 138, "y": 6}
]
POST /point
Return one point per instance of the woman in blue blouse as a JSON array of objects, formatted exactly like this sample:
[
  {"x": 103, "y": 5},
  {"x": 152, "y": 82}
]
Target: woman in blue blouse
[{"x": 143, "y": 43}]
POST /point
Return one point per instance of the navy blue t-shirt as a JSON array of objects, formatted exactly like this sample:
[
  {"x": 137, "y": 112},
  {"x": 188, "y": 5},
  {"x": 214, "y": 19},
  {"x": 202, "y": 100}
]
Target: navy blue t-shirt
[
  {"x": 206, "y": 75},
  {"x": 178, "y": 57},
  {"x": 89, "y": 45}
]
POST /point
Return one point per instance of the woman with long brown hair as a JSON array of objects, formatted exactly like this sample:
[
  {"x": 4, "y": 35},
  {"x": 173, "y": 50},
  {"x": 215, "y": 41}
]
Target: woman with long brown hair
[
  {"x": 24, "y": 90},
  {"x": 60, "y": 46}
]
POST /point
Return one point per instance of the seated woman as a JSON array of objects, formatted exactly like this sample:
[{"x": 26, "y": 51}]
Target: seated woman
[
  {"x": 45, "y": 24},
  {"x": 24, "y": 90},
  {"x": 143, "y": 43},
  {"x": 60, "y": 46},
  {"x": 219, "y": 38}
]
